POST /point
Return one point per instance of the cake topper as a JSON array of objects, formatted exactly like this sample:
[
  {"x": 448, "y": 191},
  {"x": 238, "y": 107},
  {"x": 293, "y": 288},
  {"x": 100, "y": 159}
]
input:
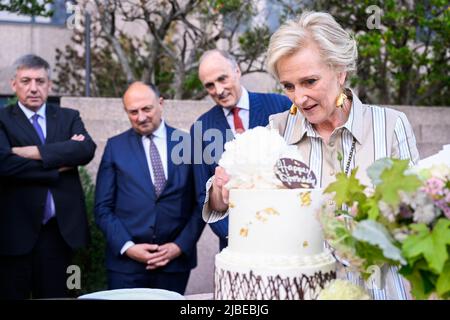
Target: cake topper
[{"x": 295, "y": 174}]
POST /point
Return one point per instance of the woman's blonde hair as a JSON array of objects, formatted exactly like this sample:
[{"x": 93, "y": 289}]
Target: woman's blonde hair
[{"x": 337, "y": 47}]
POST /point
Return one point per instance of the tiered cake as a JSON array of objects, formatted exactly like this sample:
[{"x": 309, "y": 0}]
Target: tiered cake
[
  {"x": 275, "y": 243},
  {"x": 275, "y": 248}
]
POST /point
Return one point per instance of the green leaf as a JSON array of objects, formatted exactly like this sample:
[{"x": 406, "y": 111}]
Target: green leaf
[
  {"x": 347, "y": 189},
  {"x": 376, "y": 234},
  {"x": 432, "y": 245},
  {"x": 371, "y": 255},
  {"x": 376, "y": 169},
  {"x": 373, "y": 211},
  {"x": 395, "y": 180},
  {"x": 443, "y": 282}
]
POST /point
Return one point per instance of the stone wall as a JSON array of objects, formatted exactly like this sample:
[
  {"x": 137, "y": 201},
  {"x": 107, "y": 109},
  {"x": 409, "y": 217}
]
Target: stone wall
[
  {"x": 18, "y": 39},
  {"x": 105, "y": 117}
]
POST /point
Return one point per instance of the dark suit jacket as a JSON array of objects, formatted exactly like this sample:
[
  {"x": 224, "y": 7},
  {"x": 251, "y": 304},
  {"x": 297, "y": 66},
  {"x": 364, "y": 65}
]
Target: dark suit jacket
[
  {"x": 24, "y": 182},
  {"x": 126, "y": 207},
  {"x": 262, "y": 105}
]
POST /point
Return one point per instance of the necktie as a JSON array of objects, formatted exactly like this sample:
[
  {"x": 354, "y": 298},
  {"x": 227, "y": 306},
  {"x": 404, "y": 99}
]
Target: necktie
[
  {"x": 48, "y": 212},
  {"x": 157, "y": 166},
  {"x": 238, "y": 126}
]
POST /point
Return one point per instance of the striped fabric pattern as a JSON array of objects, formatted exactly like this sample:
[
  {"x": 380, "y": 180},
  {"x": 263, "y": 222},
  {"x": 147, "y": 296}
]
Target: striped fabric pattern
[
  {"x": 378, "y": 125},
  {"x": 396, "y": 285}
]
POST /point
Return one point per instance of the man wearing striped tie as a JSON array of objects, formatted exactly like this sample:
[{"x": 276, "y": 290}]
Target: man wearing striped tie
[{"x": 145, "y": 203}]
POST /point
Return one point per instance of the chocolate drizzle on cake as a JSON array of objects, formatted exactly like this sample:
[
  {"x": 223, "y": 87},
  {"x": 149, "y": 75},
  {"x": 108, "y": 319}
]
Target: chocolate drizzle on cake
[
  {"x": 231, "y": 285},
  {"x": 294, "y": 174}
]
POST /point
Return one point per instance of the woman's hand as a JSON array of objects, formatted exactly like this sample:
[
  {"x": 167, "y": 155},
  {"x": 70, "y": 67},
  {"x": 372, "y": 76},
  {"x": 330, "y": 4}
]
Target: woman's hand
[{"x": 219, "y": 194}]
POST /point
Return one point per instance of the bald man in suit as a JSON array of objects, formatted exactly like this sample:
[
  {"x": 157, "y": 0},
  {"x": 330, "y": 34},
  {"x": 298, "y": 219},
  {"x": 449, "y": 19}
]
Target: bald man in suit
[{"x": 145, "y": 202}]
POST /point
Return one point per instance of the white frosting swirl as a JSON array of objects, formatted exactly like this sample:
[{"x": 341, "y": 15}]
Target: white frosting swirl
[{"x": 250, "y": 158}]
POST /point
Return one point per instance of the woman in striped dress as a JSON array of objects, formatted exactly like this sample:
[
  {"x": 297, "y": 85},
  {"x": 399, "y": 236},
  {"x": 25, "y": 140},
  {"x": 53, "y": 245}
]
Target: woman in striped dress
[
  {"x": 312, "y": 59},
  {"x": 334, "y": 131}
]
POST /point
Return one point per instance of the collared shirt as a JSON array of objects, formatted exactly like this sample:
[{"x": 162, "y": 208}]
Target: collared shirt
[
  {"x": 244, "y": 112},
  {"x": 378, "y": 132},
  {"x": 42, "y": 117},
  {"x": 43, "y": 123}
]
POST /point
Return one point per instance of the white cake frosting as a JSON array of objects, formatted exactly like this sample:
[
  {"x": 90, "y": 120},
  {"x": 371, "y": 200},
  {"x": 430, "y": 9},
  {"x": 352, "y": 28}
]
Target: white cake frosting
[
  {"x": 250, "y": 157},
  {"x": 279, "y": 222},
  {"x": 275, "y": 246}
]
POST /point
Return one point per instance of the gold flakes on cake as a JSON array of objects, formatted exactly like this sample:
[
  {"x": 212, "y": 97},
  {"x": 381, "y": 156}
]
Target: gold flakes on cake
[
  {"x": 271, "y": 211},
  {"x": 262, "y": 215},
  {"x": 305, "y": 198},
  {"x": 231, "y": 205},
  {"x": 305, "y": 244}
]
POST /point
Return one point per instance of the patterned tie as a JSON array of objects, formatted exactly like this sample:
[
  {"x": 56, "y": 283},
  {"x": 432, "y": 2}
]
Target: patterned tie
[
  {"x": 157, "y": 166},
  {"x": 48, "y": 212},
  {"x": 238, "y": 126}
]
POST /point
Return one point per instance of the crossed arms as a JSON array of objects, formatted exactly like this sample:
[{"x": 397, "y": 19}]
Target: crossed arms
[{"x": 43, "y": 163}]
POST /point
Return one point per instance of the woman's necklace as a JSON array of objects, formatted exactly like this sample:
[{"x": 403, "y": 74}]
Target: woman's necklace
[{"x": 350, "y": 156}]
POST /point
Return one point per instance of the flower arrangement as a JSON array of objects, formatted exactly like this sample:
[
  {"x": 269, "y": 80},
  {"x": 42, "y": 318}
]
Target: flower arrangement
[{"x": 404, "y": 220}]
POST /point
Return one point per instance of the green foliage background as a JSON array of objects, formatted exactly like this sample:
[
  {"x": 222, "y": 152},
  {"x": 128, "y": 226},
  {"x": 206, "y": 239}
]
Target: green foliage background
[
  {"x": 28, "y": 7},
  {"x": 91, "y": 259},
  {"x": 403, "y": 62}
]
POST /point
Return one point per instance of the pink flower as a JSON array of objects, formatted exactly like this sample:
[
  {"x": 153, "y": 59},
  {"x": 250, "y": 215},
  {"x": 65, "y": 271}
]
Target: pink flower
[
  {"x": 447, "y": 195},
  {"x": 434, "y": 187},
  {"x": 354, "y": 209},
  {"x": 447, "y": 212}
]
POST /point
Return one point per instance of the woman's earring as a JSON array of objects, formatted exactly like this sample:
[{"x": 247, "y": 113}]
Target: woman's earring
[
  {"x": 293, "y": 109},
  {"x": 340, "y": 100}
]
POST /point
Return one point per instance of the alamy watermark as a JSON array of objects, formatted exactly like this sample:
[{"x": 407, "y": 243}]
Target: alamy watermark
[
  {"x": 376, "y": 279},
  {"x": 374, "y": 19},
  {"x": 74, "y": 279},
  {"x": 202, "y": 146},
  {"x": 75, "y": 16}
]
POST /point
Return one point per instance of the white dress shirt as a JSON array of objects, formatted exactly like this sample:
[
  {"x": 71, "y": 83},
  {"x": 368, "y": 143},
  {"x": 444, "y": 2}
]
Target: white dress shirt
[
  {"x": 244, "y": 113},
  {"x": 42, "y": 118}
]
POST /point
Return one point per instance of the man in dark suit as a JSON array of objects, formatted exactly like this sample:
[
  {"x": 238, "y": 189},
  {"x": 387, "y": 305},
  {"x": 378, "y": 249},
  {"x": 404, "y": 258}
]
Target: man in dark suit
[
  {"x": 42, "y": 209},
  {"x": 235, "y": 111},
  {"x": 145, "y": 200}
]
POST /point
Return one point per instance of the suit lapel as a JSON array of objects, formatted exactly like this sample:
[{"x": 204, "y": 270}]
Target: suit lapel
[
  {"x": 137, "y": 149},
  {"x": 27, "y": 128},
  {"x": 257, "y": 113},
  {"x": 51, "y": 122},
  {"x": 220, "y": 120}
]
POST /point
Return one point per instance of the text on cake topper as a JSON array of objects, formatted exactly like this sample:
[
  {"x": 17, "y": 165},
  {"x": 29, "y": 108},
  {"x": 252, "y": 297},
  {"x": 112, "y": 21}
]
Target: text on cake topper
[{"x": 295, "y": 174}]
